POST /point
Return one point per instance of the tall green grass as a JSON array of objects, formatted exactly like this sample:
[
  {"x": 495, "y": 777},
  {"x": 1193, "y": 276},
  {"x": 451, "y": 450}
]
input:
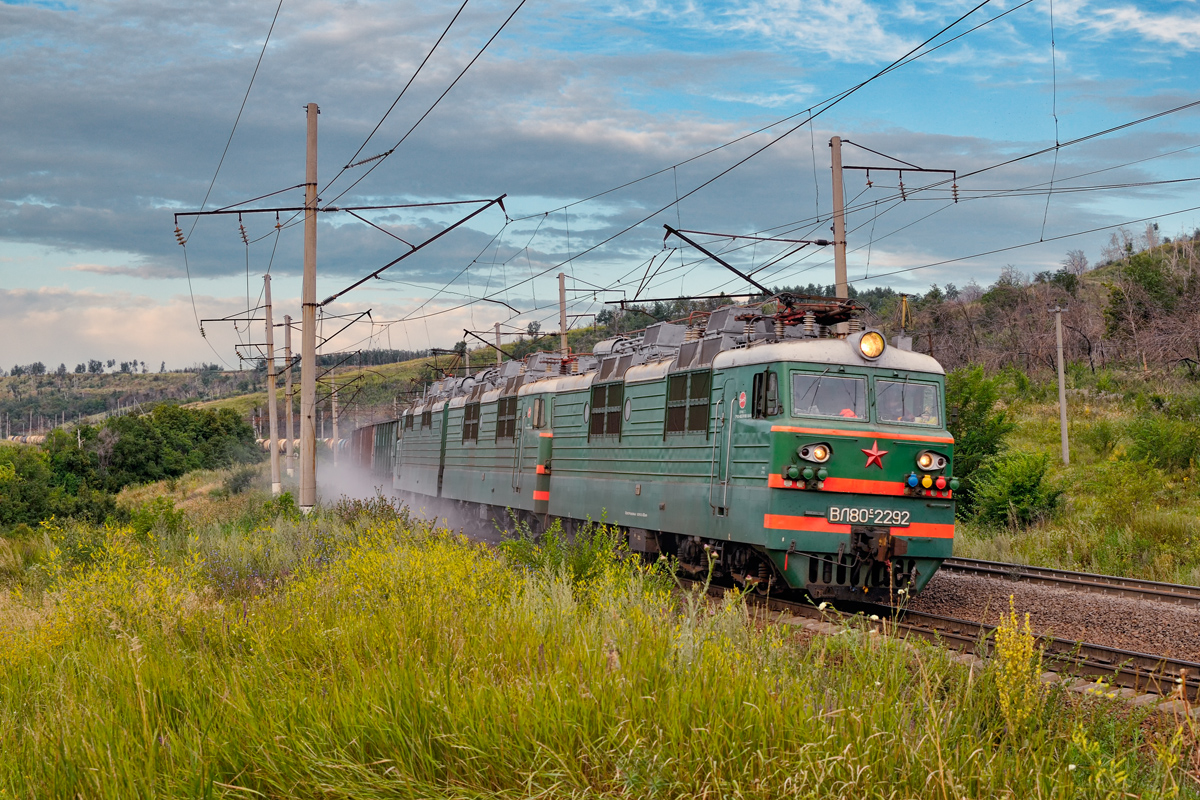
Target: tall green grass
[{"x": 377, "y": 656}]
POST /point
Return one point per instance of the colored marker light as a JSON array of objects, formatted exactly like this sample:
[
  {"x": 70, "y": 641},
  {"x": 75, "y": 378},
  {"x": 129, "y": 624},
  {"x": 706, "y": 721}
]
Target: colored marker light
[
  {"x": 808, "y": 473},
  {"x": 822, "y": 474},
  {"x": 912, "y": 481},
  {"x": 793, "y": 473},
  {"x": 940, "y": 482},
  {"x": 927, "y": 482},
  {"x": 953, "y": 484}
]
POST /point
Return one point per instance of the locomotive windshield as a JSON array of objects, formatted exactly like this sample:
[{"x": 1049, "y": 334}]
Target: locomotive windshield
[
  {"x": 914, "y": 403},
  {"x": 826, "y": 396}
]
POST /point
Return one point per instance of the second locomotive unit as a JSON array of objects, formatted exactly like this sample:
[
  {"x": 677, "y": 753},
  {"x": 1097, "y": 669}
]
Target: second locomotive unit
[{"x": 757, "y": 439}]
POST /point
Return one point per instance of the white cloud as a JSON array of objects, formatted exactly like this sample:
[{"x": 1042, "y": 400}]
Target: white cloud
[
  {"x": 146, "y": 271},
  {"x": 787, "y": 99},
  {"x": 849, "y": 30},
  {"x": 56, "y": 324},
  {"x": 1178, "y": 30}
]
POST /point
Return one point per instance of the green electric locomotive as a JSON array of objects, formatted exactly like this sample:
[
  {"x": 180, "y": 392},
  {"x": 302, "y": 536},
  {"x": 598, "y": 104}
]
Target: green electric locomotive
[{"x": 781, "y": 444}]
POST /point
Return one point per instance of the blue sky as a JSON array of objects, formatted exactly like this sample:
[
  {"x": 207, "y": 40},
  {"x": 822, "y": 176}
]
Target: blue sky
[{"x": 117, "y": 113}]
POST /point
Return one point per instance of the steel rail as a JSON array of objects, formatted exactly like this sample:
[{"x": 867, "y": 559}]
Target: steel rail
[
  {"x": 1113, "y": 667},
  {"x": 1179, "y": 594}
]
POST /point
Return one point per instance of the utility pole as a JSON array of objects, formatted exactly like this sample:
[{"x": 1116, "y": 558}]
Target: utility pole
[
  {"x": 839, "y": 228},
  {"x": 308, "y": 323},
  {"x": 333, "y": 383},
  {"x": 498, "y": 353},
  {"x": 272, "y": 403},
  {"x": 287, "y": 393},
  {"x": 562, "y": 314},
  {"x": 1062, "y": 384}
]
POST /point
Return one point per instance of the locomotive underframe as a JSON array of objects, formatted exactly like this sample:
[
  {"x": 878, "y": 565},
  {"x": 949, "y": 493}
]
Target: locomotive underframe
[{"x": 872, "y": 567}]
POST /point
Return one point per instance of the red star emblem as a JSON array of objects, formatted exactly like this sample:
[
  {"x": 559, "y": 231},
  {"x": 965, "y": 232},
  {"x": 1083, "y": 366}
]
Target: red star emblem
[{"x": 875, "y": 455}]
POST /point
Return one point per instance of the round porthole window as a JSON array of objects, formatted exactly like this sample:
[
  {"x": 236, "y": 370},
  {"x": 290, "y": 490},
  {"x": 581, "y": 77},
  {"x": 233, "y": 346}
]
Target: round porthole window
[
  {"x": 628, "y": 409},
  {"x": 587, "y": 412}
]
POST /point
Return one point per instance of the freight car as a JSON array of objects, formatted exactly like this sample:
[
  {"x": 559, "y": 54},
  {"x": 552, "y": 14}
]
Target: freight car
[{"x": 757, "y": 439}]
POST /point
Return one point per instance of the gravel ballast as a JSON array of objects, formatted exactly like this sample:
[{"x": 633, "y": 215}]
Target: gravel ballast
[{"x": 1145, "y": 626}]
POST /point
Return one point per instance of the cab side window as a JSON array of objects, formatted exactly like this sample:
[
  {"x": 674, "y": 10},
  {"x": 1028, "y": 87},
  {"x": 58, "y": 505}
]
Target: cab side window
[{"x": 766, "y": 394}]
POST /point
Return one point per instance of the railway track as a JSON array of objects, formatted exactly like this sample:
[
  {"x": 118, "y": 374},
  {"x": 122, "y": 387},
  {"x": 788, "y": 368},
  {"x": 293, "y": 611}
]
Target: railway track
[
  {"x": 1078, "y": 581},
  {"x": 1127, "y": 670}
]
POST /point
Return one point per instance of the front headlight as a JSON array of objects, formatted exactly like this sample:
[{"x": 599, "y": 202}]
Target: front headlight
[
  {"x": 928, "y": 461},
  {"x": 815, "y": 452},
  {"x": 871, "y": 344}
]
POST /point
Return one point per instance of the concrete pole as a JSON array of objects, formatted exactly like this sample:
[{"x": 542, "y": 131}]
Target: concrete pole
[
  {"x": 1062, "y": 387},
  {"x": 839, "y": 227},
  {"x": 308, "y": 323},
  {"x": 562, "y": 314},
  {"x": 272, "y": 402},
  {"x": 497, "y": 329},
  {"x": 333, "y": 383},
  {"x": 287, "y": 393}
]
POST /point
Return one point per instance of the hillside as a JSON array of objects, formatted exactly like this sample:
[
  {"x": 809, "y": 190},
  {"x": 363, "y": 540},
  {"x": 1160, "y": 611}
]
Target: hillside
[
  {"x": 89, "y": 397},
  {"x": 371, "y": 393}
]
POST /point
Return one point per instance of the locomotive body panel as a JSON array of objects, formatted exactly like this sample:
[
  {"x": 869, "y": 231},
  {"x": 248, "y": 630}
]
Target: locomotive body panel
[{"x": 418, "y": 468}]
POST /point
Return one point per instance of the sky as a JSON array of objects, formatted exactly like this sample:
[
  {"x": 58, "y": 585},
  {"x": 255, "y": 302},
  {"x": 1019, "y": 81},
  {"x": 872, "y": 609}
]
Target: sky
[{"x": 598, "y": 121}]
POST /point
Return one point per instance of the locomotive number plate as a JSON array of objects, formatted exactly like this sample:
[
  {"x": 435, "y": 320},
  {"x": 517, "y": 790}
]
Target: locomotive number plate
[{"x": 868, "y": 516}]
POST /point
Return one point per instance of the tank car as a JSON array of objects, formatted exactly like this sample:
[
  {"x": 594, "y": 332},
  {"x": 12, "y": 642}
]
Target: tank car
[{"x": 780, "y": 445}]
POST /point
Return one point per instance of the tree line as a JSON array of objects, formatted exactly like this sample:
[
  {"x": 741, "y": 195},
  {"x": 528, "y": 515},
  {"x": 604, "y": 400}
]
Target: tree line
[
  {"x": 79, "y": 473},
  {"x": 95, "y": 366}
]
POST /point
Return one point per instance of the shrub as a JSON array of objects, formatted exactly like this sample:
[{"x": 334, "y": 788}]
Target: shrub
[
  {"x": 1101, "y": 436},
  {"x": 1168, "y": 443},
  {"x": 1018, "y": 666},
  {"x": 159, "y": 513},
  {"x": 353, "y": 510},
  {"x": 580, "y": 558},
  {"x": 239, "y": 480},
  {"x": 1012, "y": 489},
  {"x": 1106, "y": 381},
  {"x": 978, "y": 428}
]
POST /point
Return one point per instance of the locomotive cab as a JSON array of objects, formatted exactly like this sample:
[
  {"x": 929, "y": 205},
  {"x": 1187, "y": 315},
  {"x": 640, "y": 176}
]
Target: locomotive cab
[{"x": 861, "y": 502}]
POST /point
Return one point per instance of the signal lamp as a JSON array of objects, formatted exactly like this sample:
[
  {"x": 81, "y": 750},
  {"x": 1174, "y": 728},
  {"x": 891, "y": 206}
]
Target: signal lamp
[
  {"x": 871, "y": 344},
  {"x": 815, "y": 452},
  {"x": 913, "y": 480},
  {"x": 822, "y": 474},
  {"x": 793, "y": 473},
  {"x": 927, "y": 482},
  {"x": 954, "y": 484},
  {"x": 930, "y": 461},
  {"x": 940, "y": 482},
  {"x": 808, "y": 473}
]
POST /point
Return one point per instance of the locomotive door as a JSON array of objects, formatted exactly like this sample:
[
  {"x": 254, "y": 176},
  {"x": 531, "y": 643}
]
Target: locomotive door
[
  {"x": 517, "y": 448},
  {"x": 723, "y": 401}
]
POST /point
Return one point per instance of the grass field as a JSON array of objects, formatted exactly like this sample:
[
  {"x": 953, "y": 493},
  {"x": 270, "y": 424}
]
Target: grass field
[{"x": 228, "y": 647}]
